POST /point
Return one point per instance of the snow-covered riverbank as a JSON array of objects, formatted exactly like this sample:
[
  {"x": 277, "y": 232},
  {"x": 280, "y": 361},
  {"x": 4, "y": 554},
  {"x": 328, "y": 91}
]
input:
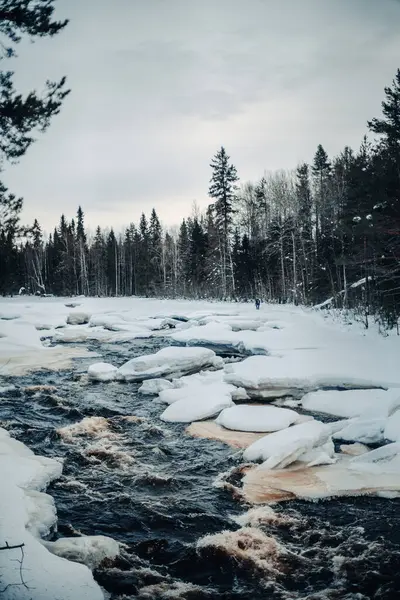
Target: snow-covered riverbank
[{"x": 302, "y": 355}]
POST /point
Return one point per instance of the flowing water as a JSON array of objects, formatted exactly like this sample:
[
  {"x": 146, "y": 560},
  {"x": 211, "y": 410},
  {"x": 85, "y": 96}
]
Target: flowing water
[{"x": 132, "y": 477}]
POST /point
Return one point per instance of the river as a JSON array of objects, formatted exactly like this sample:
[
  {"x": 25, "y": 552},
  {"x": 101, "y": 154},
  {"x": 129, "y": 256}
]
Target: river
[{"x": 145, "y": 483}]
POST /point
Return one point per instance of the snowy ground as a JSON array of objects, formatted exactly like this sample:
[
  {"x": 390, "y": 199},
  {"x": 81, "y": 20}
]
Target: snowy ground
[{"x": 288, "y": 355}]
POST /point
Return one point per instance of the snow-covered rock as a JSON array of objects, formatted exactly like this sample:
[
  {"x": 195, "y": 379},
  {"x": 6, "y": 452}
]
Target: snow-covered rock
[
  {"x": 155, "y": 386},
  {"x": 197, "y": 408},
  {"x": 71, "y": 335},
  {"x": 195, "y": 391},
  {"x": 392, "y": 427},
  {"x": 283, "y": 447},
  {"x": 247, "y": 417},
  {"x": 220, "y": 337},
  {"x": 78, "y": 318},
  {"x": 353, "y": 403},
  {"x": 366, "y": 431},
  {"x": 168, "y": 362},
  {"x": 102, "y": 372},
  {"x": 89, "y": 550}
]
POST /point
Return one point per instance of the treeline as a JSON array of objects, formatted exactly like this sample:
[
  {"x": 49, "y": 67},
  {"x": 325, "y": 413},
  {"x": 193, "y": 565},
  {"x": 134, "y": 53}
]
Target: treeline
[{"x": 301, "y": 236}]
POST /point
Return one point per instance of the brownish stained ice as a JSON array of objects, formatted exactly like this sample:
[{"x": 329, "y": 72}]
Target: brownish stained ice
[
  {"x": 262, "y": 486},
  {"x": 212, "y": 431}
]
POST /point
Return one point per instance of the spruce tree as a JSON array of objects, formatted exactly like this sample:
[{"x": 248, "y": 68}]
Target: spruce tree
[
  {"x": 222, "y": 189},
  {"x": 183, "y": 257},
  {"x": 155, "y": 252},
  {"x": 197, "y": 257}
]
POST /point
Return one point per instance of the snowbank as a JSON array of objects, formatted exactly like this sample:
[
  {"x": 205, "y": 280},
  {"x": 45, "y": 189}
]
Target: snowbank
[
  {"x": 24, "y": 514},
  {"x": 297, "y": 371},
  {"x": 353, "y": 403}
]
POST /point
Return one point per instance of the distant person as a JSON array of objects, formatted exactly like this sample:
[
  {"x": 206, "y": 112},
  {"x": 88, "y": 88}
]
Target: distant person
[{"x": 258, "y": 302}]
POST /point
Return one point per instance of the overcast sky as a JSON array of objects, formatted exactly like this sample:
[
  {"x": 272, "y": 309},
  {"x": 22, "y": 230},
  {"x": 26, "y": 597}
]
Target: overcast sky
[{"x": 159, "y": 85}]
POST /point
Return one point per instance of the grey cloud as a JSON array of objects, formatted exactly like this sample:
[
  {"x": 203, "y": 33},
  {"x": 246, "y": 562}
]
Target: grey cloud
[{"x": 158, "y": 85}]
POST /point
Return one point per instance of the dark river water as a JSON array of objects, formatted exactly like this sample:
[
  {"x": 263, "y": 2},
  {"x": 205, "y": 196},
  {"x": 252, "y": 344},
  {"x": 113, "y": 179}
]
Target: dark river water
[{"x": 151, "y": 487}]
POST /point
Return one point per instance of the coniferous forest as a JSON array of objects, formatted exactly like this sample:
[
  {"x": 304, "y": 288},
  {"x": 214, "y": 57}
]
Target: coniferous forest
[{"x": 329, "y": 231}]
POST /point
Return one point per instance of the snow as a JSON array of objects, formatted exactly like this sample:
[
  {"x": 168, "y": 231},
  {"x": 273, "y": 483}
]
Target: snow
[
  {"x": 298, "y": 351},
  {"x": 102, "y": 372},
  {"x": 257, "y": 418},
  {"x": 283, "y": 447},
  {"x": 88, "y": 550},
  {"x": 26, "y": 513},
  {"x": 392, "y": 427},
  {"x": 366, "y": 431},
  {"x": 195, "y": 402},
  {"x": 205, "y": 393},
  {"x": 221, "y": 337},
  {"x": 353, "y": 403},
  {"x": 155, "y": 386},
  {"x": 304, "y": 370},
  {"x": 372, "y": 475},
  {"x": 387, "y": 456},
  {"x": 171, "y": 362},
  {"x": 78, "y": 318}
]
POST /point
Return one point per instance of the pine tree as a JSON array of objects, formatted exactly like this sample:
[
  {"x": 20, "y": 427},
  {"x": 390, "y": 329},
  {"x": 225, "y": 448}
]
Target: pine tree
[
  {"x": 98, "y": 257},
  {"x": 143, "y": 260},
  {"x": 112, "y": 264},
  {"x": 21, "y": 117},
  {"x": 389, "y": 126},
  {"x": 34, "y": 256},
  {"x": 222, "y": 189}
]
